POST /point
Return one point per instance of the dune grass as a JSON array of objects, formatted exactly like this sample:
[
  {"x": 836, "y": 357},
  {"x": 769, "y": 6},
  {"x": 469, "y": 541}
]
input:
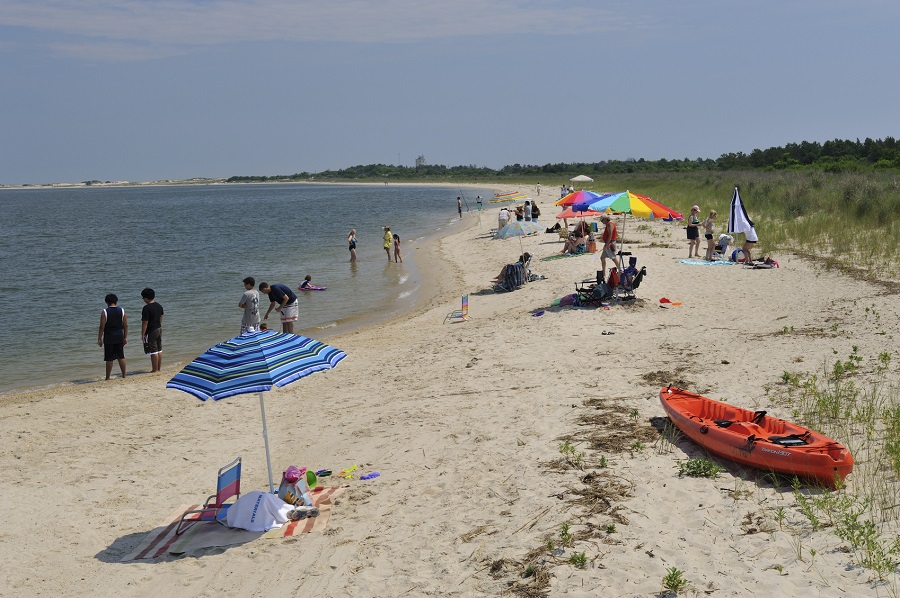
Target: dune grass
[{"x": 849, "y": 221}]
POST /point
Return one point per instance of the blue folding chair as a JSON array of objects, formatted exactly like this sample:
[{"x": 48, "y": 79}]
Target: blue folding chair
[{"x": 228, "y": 485}]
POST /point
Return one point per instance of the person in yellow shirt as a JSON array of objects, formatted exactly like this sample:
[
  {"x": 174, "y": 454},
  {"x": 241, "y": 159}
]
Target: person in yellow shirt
[{"x": 388, "y": 241}]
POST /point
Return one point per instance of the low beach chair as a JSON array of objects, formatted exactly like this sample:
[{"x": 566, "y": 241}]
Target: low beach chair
[
  {"x": 720, "y": 251},
  {"x": 459, "y": 314},
  {"x": 228, "y": 485}
]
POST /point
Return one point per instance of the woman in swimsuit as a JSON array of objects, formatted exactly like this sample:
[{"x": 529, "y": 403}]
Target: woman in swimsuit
[
  {"x": 693, "y": 233},
  {"x": 351, "y": 240}
]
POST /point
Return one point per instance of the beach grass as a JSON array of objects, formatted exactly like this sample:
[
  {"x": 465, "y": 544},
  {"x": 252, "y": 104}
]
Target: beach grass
[{"x": 849, "y": 221}]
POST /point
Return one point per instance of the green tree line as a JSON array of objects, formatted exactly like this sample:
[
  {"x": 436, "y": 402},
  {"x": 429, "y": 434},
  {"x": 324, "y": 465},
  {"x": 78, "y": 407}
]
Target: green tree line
[{"x": 839, "y": 155}]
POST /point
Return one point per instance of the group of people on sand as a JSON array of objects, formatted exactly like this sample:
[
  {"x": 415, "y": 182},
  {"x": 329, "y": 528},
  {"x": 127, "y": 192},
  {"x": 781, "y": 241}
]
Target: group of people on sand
[
  {"x": 113, "y": 333},
  {"x": 391, "y": 243},
  {"x": 527, "y": 212},
  {"x": 693, "y": 236}
]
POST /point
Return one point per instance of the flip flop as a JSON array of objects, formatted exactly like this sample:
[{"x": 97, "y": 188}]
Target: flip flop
[
  {"x": 676, "y": 303},
  {"x": 664, "y": 300},
  {"x": 369, "y": 476},
  {"x": 323, "y": 473},
  {"x": 537, "y": 314}
]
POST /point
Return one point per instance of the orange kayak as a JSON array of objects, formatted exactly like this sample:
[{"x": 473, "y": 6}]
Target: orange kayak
[{"x": 755, "y": 439}]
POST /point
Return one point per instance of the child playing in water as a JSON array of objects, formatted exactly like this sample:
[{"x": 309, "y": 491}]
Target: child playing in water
[
  {"x": 397, "y": 257},
  {"x": 307, "y": 282}
]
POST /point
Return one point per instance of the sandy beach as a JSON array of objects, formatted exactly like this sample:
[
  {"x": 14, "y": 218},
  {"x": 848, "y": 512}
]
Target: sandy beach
[{"x": 464, "y": 422}]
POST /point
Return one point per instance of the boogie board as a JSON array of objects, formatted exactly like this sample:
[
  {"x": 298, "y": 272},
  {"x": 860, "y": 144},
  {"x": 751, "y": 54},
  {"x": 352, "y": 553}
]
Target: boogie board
[{"x": 311, "y": 288}]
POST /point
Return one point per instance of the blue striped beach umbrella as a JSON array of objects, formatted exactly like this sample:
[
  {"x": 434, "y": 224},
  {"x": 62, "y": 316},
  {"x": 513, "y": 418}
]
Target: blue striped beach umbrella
[{"x": 254, "y": 362}]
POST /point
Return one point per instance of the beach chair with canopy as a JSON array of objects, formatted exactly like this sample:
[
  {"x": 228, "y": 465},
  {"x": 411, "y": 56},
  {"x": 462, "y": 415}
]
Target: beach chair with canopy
[{"x": 228, "y": 486}]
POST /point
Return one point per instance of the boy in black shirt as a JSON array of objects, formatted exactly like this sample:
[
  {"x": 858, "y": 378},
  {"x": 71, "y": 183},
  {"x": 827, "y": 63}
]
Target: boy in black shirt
[{"x": 151, "y": 329}]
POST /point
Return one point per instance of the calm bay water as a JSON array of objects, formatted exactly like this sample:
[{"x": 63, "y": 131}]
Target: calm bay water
[{"x": 63, "y": 250}]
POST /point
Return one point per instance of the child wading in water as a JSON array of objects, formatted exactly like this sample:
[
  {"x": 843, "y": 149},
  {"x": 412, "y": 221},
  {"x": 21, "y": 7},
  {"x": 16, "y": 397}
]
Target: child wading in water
[
  {"x": 397, "y": 257},
  {"x": 307, "y": 282}
]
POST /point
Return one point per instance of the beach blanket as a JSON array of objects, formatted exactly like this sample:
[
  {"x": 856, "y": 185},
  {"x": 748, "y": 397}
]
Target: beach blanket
[
  {"x": 162, "y": 539},
  {"x": 705, "y": 263},
  {"x": 559, "y": 256}
]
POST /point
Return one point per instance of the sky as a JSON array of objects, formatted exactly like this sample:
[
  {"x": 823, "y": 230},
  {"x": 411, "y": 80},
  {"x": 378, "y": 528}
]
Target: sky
[{"x": 134, "y": 90}]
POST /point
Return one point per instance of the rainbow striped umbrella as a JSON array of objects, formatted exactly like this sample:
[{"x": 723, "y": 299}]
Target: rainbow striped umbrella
[
  {"x": 627, "y": 202},
  {"x": 578, "y": 197},
  {"x": 254, "y": 362}
]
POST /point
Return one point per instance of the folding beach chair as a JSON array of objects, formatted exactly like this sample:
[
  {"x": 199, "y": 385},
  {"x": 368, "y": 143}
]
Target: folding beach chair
[
  {"x": 720, "y": 252},
  {"x": 228, "y": 485},
  {"x": 459, "y": 314}
]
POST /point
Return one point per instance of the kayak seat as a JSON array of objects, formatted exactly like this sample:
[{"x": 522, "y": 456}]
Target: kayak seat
[{"x": 792, "y": 440}]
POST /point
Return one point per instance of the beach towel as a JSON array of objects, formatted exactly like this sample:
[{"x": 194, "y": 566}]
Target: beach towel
[
  {"x": 559, "y": 256},
  {"x": 565, "y": 300},
  {"x": 705, "y": 263},
  {"x": 162, "y": 539}
]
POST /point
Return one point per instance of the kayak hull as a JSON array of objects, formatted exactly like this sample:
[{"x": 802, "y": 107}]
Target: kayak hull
[{"x": 757, "y": 440}]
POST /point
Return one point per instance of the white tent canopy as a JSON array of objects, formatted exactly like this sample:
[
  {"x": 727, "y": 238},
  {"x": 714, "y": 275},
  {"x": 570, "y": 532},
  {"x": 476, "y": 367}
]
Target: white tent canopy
[{"x": 581, "y": 179}]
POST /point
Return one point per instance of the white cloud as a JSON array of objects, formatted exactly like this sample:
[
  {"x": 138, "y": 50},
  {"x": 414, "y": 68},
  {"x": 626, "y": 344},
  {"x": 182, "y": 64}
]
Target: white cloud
[{"x": 185, "y": 23}]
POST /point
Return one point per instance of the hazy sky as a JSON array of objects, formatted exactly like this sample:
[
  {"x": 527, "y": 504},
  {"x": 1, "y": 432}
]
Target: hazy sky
[{"x": 145, "y": 90}]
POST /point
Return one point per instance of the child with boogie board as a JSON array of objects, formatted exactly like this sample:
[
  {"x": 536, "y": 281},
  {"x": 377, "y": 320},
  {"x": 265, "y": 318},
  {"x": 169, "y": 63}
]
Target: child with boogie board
[{"x": 307, "y": 285}]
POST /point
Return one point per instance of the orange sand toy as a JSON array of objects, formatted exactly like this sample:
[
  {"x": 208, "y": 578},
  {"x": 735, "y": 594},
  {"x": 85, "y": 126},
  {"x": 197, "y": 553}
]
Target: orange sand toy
[{"x": 755, "y": 439}]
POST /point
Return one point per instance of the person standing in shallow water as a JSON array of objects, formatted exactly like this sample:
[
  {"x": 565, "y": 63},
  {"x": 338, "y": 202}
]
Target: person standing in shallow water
[
  {"x": 397, "y": 257},
  {"x": 388, "y": 242},
  {"x": 459, "y": 205},
  {"x": 151, "y": 329},
  {"x": 113, "y": 334},
  {"x": 250, "y": 304},
  {"x": 351, "y": 240}
]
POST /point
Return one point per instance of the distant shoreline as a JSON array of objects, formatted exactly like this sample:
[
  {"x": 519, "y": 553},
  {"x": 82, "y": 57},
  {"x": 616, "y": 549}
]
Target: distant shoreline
[{"x": 222, "y": 181}]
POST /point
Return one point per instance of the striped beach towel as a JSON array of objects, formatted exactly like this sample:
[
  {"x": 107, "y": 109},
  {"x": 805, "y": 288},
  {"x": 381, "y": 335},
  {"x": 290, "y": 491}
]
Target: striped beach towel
[{"x": 163, "y": 539}]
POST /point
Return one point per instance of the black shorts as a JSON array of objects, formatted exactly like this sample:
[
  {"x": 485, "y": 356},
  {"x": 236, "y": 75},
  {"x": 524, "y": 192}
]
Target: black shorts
[
  {"x": 154, "y": 342},
  {"x": 693, "y": 233},
  {"x": 708, "y": 236},
  {"x": 113, "y": 352}
]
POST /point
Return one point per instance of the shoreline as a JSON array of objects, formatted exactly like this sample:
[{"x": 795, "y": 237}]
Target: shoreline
[
  {"x": 464, "y": 421},
  {"x": 422, "y": 261}
]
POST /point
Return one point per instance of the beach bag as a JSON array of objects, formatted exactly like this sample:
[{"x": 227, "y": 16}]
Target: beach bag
[
  {"x": 592, "y": 247},
  {"x": 294, "y": 489},
  {"x": 613, "y": 279}
]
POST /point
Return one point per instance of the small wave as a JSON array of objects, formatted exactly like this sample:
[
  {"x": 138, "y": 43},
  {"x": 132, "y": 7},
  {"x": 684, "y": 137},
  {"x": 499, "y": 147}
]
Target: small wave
[
  {"x": 404, "y": 278},
  {"x": 404, "y": 294},
  {"x": 324, "y": 326}
]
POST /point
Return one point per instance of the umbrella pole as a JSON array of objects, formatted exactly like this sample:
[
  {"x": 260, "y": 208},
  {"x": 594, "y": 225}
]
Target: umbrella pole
[{"x": 262, "y": 409}]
